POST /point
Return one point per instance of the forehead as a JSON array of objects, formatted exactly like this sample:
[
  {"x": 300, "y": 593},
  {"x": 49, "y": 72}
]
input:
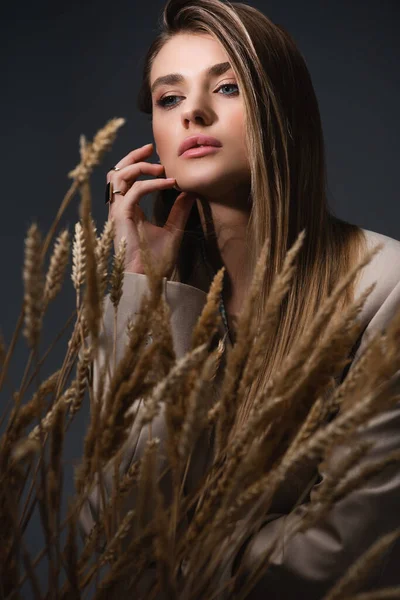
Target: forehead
[{"x": 188, "y": 54}]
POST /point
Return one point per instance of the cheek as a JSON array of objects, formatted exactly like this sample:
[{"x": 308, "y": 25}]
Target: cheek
[
  {"x": 162, "y": 134},
  {"x": 236, "y": 125}
]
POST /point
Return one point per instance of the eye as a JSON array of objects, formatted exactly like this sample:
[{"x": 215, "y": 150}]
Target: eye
[
  {"x": 164, "y": 104},
  {"x": 225, "y": 85}
]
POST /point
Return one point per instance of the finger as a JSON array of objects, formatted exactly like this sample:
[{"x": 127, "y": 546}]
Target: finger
[
  {"x": 132, "y": 157},
  {"x": 179, "y": 214},
  {"x": 122, "y": 180},
  {"x": 140, "y": 189},
  {"x": 137, "y": 214}
]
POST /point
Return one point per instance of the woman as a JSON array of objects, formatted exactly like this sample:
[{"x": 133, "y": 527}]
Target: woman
[{"x": 223, "y": 75}]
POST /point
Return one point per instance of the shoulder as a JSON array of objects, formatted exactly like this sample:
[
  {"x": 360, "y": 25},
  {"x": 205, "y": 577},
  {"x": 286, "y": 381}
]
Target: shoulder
[
  {"x": 384, "y": 271},
  {"x": 385, "y": 265}
]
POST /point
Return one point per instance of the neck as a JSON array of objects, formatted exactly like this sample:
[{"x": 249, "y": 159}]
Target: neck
[{"x": 225, "y": 230}]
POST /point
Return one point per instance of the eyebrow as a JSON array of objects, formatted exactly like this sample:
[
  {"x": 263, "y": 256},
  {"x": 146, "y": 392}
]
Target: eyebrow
[{"x": 172, "y": 78}]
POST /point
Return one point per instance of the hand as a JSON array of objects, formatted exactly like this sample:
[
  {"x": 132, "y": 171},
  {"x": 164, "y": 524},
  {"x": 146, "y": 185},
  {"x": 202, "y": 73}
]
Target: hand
[{"x": 126, "y": 212}]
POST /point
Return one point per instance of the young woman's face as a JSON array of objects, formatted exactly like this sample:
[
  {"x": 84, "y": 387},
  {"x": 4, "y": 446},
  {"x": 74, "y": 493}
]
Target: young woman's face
[{"x": 201, "y": 103}]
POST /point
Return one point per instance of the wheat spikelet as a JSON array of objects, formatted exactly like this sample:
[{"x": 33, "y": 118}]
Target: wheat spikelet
[
  {"x": 209, "y": 319},
  {"x": 263, "y": 490},
  {"x": 213, "y": 500},
  {"x": 315, "y": 417},
  {"x": 78, "y": 258},
  {"x": 323, "y": 497},
  {"x": 91, "y": 545},
  {"x": 54, "y": 472},
  {"x": 47, "y": 421},
  {"x": 175, "y": 409},
  {"x": 279, "y": 288},
  {"x": 146, "y": 483},
  {"x": 314, "y": 378},
  {"x": 92, "y": 153},
  {"x": 237, "y": 357},
  {"x": 164, "y": 390},
  {"x": 340, "y": 482},
  {"x": 206, "y": 326},
  {"x": 360, "y": 569},
  {"x": 114, "y": 427},
  {"x": 117, "y": 273},
  {"x": 136, "y": 330},
  {"x": 129, "y": 478},
  {"x": 102, "y": 252},
  {"x": 84, "y": 472},
  {"x": 72, "y": 396},
  {"x": 294, "y": 362},
  {"x": 196, "y": 415},
  {"x": 133, "y": 560},
  {"x": 33, "y": 285},
  {"x": 162, "y": 332},
  {"x": 23, "y": 450},
  {"x": 352, "y": 482},
  {"x": 57, "y": 268},
  {"x": 344, "y": 393},
  {"x": 79, "y": 385},
  {"x": 334, "y": 432},
  {"x": 23, "y": 415},
  {"x": 123, "y": 530},
  {"x": 237, "y": 452},
  {"x": 92, "y": 299}
]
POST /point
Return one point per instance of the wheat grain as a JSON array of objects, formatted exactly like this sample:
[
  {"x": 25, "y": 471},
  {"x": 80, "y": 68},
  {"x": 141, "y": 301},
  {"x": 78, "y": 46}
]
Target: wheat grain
[
  {"x": 33, "y": 285},
  {"x": 117, "y": 273},
  {"x": 78, "y": 259},
  {"x": 92, "y": 300},
  {"x": 92, "y": 153},
  {"x": 102, "y": 252},
  {"x": 57, "y": 268}
]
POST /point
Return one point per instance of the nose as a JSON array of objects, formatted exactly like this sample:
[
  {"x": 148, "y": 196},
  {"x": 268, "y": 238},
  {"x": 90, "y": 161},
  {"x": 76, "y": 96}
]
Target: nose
[{"x": 197, "y": 111}]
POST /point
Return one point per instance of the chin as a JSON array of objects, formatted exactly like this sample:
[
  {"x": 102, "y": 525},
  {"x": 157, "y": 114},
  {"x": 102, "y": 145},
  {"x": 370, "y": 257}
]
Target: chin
[{"x": 201, "y": 184}]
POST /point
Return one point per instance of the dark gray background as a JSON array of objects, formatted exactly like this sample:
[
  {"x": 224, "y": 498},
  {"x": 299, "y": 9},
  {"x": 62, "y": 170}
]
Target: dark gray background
[{"x": 67, "y": 69}]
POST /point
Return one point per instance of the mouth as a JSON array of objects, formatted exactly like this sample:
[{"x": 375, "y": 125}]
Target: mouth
[
  {"x": 198, "y": 142},
  {"x": 198, "y": 151}
]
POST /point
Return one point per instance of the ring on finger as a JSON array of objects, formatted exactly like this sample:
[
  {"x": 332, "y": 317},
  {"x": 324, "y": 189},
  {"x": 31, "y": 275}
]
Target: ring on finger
[{"x": 110, "y": 192}]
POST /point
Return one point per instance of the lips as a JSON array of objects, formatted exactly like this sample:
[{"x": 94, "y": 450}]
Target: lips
[{"x": 198, "y": 140}]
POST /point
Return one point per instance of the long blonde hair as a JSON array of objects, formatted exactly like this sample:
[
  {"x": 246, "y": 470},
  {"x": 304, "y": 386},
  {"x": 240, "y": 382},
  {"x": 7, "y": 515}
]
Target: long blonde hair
[{"x": 288, "y": 167}]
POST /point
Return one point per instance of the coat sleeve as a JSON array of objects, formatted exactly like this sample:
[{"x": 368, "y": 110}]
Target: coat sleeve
[
  {"x": 307, "y": 564},
  {"x": 185, "y": 303}
]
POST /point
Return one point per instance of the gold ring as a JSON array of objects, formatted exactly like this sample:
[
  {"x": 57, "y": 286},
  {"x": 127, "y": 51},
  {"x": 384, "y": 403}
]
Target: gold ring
[{"x": 110, "y": 192}]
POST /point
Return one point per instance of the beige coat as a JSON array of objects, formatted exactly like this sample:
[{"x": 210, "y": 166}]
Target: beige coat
[{"x": 309, "y": 562}]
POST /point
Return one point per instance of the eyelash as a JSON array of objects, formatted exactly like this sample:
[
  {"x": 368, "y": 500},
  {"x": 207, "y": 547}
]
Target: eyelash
[{"x": 161, "y": 102}]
